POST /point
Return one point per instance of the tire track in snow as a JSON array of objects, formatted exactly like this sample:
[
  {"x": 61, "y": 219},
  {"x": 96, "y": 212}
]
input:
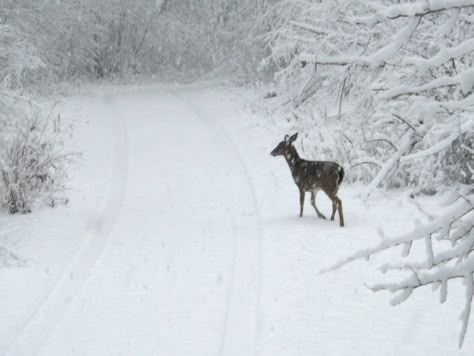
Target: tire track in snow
[
  {"x": 38, "y": 325},
  {"x": 234, "y": 239},
  {"x": 231, "y": 342}
]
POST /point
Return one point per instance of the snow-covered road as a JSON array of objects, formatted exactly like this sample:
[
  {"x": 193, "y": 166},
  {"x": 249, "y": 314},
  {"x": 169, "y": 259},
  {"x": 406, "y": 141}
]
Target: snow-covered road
[
  {"x": 179, "y": 236},
  {"x": 192, "y": 246}
]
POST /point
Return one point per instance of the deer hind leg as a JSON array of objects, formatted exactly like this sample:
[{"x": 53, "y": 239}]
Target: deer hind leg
[
  {"x": 339, "y": 209},
  {"x": 336, "y": 205},
  {"x": 313, "y": 203},
  {"x": 301, "y": 202},
  {"x": 334, "y": 208}
]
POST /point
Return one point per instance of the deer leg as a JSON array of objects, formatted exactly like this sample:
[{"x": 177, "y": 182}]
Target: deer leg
[
  {"x": 336, "y": 205},
  {"x": 313, "y": 203},
  {"x": 334, "y": 208},
  {"x": 339, "y": 209},
  {"x": 332, "y": 196},
  {"x": 301, "y": 202}
]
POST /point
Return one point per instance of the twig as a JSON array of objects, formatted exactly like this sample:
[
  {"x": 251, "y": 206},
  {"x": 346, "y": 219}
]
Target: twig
[{"x": 402, "y": 119}]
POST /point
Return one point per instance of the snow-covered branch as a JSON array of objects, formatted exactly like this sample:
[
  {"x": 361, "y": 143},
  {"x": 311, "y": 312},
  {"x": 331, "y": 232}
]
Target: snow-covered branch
[
  {"x": 458, "y": 210},
  {"x": 405, "y": 145},
  {"x": 375, "y": 59},
  {"x": 310, "y": 28},
  {"x": 455, "y": 226},
  {"x": 393, "y": 12},
  {"x": 443, "y": 56},
  {"x": 442, "y": 144},
  {"x": 464, "y": 79}
]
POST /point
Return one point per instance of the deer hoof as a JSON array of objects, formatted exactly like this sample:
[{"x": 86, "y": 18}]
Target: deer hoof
[{"x": 321, "y": 216}]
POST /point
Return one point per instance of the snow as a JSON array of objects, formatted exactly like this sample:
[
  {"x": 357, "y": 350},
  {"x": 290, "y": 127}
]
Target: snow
[
  {"x": 183, "y": 238},
  {"x": 467, "y": 310},
  {"x": 467, "y": 81},
  {"x": 443, "y": 292}
]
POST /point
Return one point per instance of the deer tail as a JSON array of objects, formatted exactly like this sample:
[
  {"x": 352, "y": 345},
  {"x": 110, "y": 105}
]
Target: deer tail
[{"x": 340, "y": 171}]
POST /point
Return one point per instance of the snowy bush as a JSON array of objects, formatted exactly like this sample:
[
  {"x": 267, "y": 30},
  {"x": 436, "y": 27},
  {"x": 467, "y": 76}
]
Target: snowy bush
[{"x": 32, "y": 162}]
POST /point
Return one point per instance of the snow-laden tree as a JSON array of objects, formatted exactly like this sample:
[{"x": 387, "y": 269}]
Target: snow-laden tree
[
  {"x": 392, "y": 82},
  {"x": 20, "y": 56},
  {"x": 212, "y": 37},
  {"x": 398, "y": 76},
  {"x": 86, "y": 39}
]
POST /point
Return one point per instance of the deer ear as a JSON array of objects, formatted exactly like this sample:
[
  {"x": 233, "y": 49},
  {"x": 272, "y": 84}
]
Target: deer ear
[
  {"x": 287, "y": 138},
  {"x": 293, "y": 137}
]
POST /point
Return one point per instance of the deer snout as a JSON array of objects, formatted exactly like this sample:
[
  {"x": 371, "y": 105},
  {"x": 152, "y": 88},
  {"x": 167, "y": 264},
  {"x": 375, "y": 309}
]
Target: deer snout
[{"x": 276, "y": 151}]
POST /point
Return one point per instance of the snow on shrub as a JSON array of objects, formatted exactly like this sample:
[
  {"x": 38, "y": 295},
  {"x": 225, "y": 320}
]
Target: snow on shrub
[{"x": 32, "y": 158}]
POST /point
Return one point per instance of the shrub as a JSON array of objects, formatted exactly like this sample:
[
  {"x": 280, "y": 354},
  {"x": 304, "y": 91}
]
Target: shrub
[{"x": 32, "y": 160}]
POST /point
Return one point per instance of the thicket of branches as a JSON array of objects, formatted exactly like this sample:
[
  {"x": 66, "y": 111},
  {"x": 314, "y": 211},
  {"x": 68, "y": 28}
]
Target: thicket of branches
[
  {"x": 396, "y": 81},
  {"x": 86, "y": 39},
  {"x": 391, "y": 86}
]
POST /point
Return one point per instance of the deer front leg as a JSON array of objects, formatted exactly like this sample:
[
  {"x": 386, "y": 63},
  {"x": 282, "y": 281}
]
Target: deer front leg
[
  {"x": 313, "y": 203},
  {"x": 301, "y": 201}
]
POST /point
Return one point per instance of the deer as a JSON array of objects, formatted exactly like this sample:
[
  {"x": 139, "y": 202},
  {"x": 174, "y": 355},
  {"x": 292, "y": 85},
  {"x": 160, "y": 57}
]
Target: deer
[{"x": 312, "y": 176}]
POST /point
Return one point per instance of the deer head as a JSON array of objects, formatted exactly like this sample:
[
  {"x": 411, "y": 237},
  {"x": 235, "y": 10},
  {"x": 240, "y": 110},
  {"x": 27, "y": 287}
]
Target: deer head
[{"x": 283, "y": 148}]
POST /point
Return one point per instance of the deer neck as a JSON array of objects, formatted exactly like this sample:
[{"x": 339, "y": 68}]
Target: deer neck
[{"x": 293, "y": 159}]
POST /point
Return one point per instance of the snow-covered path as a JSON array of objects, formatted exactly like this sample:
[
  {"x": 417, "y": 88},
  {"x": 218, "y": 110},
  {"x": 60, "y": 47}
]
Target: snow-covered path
[
  {"x": 192, "y": 246},
  {"x": 179, "y": 259}
]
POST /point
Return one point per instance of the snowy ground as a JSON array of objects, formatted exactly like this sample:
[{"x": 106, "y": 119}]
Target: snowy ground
[{"x": 183, "y": 238}]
